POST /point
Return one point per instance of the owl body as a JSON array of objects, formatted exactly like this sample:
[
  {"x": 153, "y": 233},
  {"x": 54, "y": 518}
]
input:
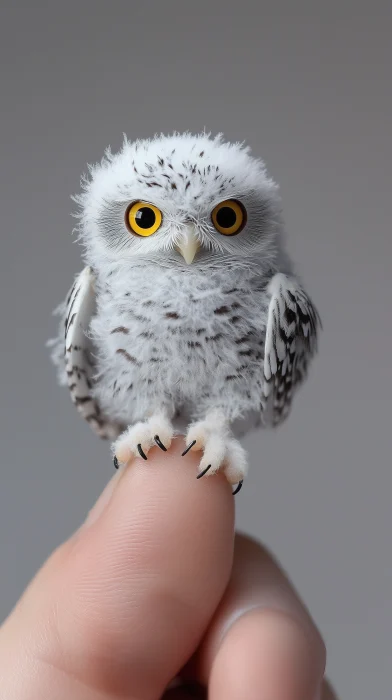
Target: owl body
[
  {"x": 188, "y": 306},
  {"x": 190, "y": 342}
]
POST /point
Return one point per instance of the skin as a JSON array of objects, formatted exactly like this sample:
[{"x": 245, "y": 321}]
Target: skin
[{"x": 153, "y": 586}]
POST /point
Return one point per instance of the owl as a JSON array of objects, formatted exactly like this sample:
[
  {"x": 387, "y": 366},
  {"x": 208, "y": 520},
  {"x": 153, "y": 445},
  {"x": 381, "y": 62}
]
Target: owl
[{"x": 187, "y": 317}]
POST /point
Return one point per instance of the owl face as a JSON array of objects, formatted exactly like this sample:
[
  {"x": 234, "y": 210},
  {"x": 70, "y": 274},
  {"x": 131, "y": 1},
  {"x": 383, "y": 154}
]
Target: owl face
[{"x": 180, "y": 200}]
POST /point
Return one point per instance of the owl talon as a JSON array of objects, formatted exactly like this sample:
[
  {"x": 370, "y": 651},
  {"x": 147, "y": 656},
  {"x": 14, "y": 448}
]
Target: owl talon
[
  {"x": 188, "y": 448},
  {"x": 160, "y": 443},
  {"x": 204, "y": 472},
  {"x": 141, "y": 453},
  {"x": 138, "y": 439},
  {"x": 238, "y": 489},
  {"x": 221, "y": 451}
]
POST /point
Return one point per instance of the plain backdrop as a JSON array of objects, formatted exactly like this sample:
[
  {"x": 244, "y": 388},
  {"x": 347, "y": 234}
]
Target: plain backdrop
[{"x": 308, "y": 86}]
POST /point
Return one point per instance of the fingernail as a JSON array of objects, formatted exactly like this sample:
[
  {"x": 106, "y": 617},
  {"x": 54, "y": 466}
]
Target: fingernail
[{"x": 103, "y": 501}]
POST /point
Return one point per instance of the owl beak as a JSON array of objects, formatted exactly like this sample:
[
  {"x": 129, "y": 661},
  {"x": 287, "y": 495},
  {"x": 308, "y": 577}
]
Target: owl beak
[{"x": 189, "y": 245}]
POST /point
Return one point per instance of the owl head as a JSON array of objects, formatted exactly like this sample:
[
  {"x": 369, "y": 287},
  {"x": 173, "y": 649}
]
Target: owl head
[{"x": 180, "y": 200}]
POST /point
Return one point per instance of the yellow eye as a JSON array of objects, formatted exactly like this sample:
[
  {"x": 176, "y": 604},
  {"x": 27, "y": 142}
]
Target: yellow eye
[
  {"x": 229, "y": 217},
  {"x": 143, "y": 218}
]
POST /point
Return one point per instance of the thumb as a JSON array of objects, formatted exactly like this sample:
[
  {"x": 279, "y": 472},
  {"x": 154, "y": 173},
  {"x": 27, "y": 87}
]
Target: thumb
[{"x": 122, "y": 605}]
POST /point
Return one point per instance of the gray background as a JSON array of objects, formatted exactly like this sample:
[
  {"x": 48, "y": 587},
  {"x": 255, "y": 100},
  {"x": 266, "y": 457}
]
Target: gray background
[{"x": 307, "y": 85}]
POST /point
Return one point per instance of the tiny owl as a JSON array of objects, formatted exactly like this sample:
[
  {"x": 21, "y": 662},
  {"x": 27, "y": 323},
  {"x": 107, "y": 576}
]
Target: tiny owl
[{"x": 188, "y": 317}]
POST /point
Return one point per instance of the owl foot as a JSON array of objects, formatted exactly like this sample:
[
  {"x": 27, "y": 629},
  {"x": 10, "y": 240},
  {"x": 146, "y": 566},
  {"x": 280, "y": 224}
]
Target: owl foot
[
  {"x": 138, "y": 439},
  {"x": 221, "y": 450}
]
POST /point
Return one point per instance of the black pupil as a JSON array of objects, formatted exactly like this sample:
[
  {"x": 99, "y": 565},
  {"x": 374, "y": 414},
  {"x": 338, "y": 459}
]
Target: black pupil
[
  {"x": 226, "y": 217},
  {"x": 145, "y": 217}
]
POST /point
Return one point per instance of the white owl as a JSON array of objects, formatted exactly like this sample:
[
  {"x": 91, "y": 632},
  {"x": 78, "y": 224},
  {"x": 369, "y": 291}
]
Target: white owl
[{"x": 187, "y": 312}]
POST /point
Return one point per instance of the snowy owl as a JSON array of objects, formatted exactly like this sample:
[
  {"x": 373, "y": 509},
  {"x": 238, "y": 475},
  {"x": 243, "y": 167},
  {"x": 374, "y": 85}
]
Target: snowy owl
[{"x": 187, "y": 316}]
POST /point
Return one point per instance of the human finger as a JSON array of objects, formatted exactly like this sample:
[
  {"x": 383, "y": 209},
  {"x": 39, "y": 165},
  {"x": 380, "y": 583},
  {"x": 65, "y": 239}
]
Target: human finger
[{"x": 262, "y": 641}]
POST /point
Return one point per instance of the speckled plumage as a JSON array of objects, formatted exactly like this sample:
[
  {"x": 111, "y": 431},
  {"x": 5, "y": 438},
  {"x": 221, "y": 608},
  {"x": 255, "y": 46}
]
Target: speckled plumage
[{"x": 223, "y": 341}]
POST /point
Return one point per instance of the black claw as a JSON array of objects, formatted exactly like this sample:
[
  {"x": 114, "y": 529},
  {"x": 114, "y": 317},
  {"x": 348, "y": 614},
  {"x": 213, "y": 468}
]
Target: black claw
[
  {"x": 160, "y": 443},
  {"x": 116, "y": 462},
  {"x": 141, "y": 453},
  {"x": 188, "y": 448},
  {"x": 204, "y": 472},
  {"x": 238, "y": 488}
]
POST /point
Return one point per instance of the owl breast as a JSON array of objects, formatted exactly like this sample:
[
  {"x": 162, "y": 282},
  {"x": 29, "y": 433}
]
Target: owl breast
[{"x": 184, "y": 338}]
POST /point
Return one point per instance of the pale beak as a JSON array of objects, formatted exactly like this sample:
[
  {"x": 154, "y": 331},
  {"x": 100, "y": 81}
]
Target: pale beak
[{"x": 189, "y": 244}]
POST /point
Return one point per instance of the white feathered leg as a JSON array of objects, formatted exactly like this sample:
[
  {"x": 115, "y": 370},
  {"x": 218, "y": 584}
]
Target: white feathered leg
[
  {"x": 138, "y": 439},
  {"x": 220, "y": 449}
]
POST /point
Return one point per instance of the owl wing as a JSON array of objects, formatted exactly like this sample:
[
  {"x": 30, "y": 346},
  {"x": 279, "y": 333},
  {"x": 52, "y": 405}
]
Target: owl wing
[
  {"x": 78, "y": 353},
  {"x": 293, "y": 325}
]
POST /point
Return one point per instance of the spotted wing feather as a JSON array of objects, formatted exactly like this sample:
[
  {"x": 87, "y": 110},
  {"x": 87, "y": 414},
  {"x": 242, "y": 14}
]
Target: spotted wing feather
[
  {"x": 79, "y": 358},
  {"x": 291, "y": 342}
]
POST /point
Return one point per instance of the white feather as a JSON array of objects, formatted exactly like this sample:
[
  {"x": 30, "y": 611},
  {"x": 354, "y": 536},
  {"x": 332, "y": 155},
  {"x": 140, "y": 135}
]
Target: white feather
[
  {"x": 78, "y": 355},
  {"x": 291, "y": 342}
]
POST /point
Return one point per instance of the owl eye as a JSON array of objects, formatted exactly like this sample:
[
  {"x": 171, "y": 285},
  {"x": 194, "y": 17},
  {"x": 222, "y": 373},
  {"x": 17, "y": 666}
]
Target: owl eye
[
  {"x": 143, "y": 218},
  {"x": 229, "y": 217}
]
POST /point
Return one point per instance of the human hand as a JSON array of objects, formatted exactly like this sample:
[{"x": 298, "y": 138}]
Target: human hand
[{"x": 154, "y": 585}]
